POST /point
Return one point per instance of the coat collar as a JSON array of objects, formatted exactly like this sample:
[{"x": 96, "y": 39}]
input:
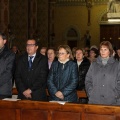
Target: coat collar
[{"x": 111, "y": 60}]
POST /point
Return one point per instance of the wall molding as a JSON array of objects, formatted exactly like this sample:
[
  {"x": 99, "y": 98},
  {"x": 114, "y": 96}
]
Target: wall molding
[{"x": 79, "y": 2}]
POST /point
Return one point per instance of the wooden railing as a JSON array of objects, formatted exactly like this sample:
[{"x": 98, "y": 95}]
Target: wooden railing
[
  {"x": 34, "y": 110},
  {"x": 81, "y": 94}
]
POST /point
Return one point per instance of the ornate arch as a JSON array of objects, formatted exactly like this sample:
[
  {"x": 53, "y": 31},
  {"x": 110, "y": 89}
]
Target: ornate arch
[
  {"x": 103, "y": 16},
  {"x": 71, "y": 33}
]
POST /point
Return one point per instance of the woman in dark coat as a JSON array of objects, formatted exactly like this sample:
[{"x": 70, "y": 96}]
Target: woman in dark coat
[
  {"x": 102, "y": 80},
  {"x": 63, "y": 77},
  {"x": 83, "y": 66}
]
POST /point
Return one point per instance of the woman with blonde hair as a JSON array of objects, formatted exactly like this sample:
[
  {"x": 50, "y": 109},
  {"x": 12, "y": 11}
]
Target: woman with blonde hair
[{"x": 63, "y": 77}]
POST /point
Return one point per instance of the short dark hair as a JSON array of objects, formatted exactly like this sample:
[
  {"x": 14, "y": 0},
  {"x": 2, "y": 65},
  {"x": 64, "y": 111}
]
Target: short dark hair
[
  {"x": 83, "y": 51},
  {"x": 51, "y": 48},
  {"x": 96, "y": 51},
  {"x": 36, "y": 42},
  {"x": 108, "y": 45},
  {"x": 4, "y": 37}
]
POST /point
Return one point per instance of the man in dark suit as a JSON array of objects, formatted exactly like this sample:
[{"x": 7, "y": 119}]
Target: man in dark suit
[{"x": 31, "y": 73}]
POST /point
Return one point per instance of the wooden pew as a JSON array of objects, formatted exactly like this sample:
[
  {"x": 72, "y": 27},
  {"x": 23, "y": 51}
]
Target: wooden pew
[
  {"x": 33, "y": 110},
  {"x": 81, "y": 94}
]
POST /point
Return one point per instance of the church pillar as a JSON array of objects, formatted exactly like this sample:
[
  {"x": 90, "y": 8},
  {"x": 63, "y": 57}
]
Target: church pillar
[
  {"x": 32, "y": 17},
  {"x": 4, "y": 15}
]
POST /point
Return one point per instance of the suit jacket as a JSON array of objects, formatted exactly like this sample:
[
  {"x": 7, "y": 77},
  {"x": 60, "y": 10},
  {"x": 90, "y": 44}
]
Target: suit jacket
[{"x": 34, "y": 79}]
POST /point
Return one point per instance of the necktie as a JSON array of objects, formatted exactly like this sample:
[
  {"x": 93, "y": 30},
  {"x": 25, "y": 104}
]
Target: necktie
[{"x": 30, "y": 61}]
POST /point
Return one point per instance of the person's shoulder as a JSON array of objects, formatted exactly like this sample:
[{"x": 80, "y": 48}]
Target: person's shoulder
[
  {"x": 7, "y": 52},
  {"x": 93, "y": 64},
  {"x": 72, "y": 63},
  {"x": 55, "y": 65},
  {"x": 117, "y": 62},
  {"x": 86, "y": 60},
  {"x": 40, "y": 56},
  {"x": 22, "y": 56},
  {"x": 43, "y": 57},
  {"x": 55, "y": 62},
  {"x": 10, "y": 52}
]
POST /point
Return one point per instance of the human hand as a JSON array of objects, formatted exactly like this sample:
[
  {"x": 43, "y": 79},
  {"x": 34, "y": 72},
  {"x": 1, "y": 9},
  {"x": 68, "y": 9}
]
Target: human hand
[
  {"x": 27, "y": 93},
  {"x": 59, "y": 95}
]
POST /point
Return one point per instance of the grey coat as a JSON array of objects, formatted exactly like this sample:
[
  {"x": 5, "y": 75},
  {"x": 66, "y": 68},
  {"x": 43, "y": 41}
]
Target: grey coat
[
  {"x": 102, "y": 82},
  {"x": 6, "y": 72}
]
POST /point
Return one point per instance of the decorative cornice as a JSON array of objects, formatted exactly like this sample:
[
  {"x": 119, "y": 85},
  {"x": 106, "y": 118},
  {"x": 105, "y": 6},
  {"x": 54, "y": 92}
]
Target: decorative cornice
[{"x": 79, "y": 2}]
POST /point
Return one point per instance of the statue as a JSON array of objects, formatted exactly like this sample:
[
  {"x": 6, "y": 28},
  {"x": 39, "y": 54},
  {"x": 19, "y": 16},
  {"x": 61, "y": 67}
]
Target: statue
[
  {"x": 113, "y": 6},
  {"x": 87, "y": 38}
]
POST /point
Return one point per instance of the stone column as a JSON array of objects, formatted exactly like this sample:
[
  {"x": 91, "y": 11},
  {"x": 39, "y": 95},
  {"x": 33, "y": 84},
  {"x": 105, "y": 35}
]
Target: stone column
[
  {"x": 32, "y": 19},
  {"x": 4, "y": 15}
]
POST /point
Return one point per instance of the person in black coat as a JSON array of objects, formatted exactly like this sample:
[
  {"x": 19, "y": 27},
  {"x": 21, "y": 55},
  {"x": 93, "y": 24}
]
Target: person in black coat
[
  {"x": 6, "y": 68},
  {"x": 30, "y": 75},
  {"x": 17, "y": 53},
  {"x": 83, "y": 66}
]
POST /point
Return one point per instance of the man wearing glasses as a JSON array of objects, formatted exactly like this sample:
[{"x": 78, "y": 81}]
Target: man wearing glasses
[{"x": 31, "y": 73}]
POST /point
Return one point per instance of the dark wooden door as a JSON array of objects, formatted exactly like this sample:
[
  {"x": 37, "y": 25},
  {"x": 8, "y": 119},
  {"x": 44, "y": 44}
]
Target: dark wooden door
[{"x": 110, "y": 33}]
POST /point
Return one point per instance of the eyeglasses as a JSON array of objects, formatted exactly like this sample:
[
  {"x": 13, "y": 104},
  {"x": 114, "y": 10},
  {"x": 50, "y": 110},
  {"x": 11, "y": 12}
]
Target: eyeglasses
[
  {"x": 61, "y": 53},
  {"x": 30, "y": 45}
]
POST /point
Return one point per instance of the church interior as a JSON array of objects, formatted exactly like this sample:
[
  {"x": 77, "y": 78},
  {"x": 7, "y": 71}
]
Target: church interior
[
  {"x": 56, "y": 22},
  {"x": 53, "y": 23}
]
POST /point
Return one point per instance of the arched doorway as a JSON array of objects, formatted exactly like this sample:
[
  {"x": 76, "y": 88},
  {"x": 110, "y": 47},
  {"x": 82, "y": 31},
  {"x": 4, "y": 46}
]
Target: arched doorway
[{"x": 72, "y": 37}]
